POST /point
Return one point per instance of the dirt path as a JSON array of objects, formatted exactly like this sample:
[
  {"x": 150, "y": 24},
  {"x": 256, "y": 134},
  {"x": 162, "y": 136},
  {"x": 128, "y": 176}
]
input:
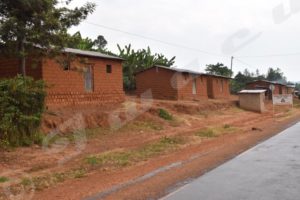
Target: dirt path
[{"x": 195, "y": 160}]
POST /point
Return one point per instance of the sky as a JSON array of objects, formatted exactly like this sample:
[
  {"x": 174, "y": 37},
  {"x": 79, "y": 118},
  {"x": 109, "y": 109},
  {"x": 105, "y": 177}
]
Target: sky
[{"x": 259, "y": 34}]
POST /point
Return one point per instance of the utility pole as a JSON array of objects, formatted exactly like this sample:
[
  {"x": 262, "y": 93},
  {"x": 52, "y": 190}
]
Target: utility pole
[{"x": 231, "y": 64}]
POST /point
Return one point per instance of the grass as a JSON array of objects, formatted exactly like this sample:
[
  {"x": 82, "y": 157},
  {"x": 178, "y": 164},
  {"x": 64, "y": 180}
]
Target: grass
[
  {"x": 226, "y": 126},
  {"x": 42, "y": 182},
  {"x": 3, "y": 179},
  {"x": 236, "y": 109},
  {"x": 207, "y": 133},
  {"x": 26, "y": 182},
  {"x": 216, "y": 131},
  {"x": 143, "y": 126},
  {"x": 162, "y": 113},
  {"x": 121, "y": 158}
]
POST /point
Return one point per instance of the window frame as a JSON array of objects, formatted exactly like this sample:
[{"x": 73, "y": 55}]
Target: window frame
[{"x": 109, "y": 69}]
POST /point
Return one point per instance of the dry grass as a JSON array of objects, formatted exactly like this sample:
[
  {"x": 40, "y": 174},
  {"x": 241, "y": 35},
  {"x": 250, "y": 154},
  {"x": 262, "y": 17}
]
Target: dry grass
[
  {"x": 142, "y": 126},
  {"x": 121, "y": 158},
  {"x": 212, "y": 132},
  {"x": 42, "y": 182}
]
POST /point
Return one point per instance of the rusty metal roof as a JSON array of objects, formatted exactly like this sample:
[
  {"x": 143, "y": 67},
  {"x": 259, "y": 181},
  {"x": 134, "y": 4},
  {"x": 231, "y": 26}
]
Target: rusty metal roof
[
  {"x": 90, "y": 54},
  {"x": 180, "y": 70}
]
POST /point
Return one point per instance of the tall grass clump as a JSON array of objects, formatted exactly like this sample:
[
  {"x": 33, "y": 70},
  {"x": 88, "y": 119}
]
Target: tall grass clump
[
  {"x": 21, "y": 108},
  {"x": 165, "y": 115}
]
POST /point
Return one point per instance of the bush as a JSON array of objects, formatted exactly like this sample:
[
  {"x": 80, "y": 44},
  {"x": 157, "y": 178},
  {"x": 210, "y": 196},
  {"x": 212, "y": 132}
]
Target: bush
[
  {"x": 226, "y": 126},
  {"x": 165, "y": 115},
  {"x": 21, "y": 108}
]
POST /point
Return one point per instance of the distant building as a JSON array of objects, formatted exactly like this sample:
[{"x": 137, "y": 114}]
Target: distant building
[
  {"x": 278, "y": 88},
  {"x": 179, "y": 84},
  {"x": 291, "y": 89},
  {"x": 91, "y": 77}
]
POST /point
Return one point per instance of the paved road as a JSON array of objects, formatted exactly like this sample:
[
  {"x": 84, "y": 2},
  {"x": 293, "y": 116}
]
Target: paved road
[{"x": 269, "y": 171}]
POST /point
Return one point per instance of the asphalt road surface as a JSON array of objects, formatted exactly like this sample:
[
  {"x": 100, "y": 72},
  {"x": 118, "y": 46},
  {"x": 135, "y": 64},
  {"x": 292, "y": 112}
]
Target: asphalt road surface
[{"x": 269, "y": 171}]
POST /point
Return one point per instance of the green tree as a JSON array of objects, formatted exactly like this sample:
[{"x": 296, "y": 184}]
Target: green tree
[
  {"x": 136, "y": 60},
  {"x": 28, "y": 24},
  {"x": 77, "y": 42},
  {"x": 276, "y": 75},
  {"x": 219, "y": 69},
  {"x": 298, "y": 86},
  {"x": 100, "y": 43},
  {"x": 241, "y": 79}
]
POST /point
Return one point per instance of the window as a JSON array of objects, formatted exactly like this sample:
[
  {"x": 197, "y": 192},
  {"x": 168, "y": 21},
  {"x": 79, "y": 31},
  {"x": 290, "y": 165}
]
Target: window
[
  {"x": 66, "y": 65},
  {"x": 194, "y": 86},
  {"x": 108, "y": 69}
]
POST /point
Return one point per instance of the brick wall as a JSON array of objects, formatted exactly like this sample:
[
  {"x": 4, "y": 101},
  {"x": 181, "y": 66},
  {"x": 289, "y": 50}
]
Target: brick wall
[
  {"x": 68, "y": 88},
  {"x": 259, "y": 84},
  {"x": 252, "y": 102},
  {"x": 171, "y": 85},
  {"x": 218, "y": 87},
  {"x": 162, "y": 83},
  {"x": 185, "y": 86}
]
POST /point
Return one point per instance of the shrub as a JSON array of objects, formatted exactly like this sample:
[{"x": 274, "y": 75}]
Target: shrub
[
  {"x": 21, "y": 109},
  {"x": 3, "y": 179},
  {"x": 226, "y": 126},
  {"x": 165, "y": 115}
]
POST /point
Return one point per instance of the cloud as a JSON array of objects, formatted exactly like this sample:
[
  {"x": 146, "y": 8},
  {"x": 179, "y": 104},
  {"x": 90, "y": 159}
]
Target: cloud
[{"x": 205, "y": 25}]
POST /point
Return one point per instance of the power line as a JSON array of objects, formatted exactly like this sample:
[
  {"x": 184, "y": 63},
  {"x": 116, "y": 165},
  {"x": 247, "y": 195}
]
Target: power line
[
  {"x": 156, "y": 40},
  {"x": 243, "y": 62}
]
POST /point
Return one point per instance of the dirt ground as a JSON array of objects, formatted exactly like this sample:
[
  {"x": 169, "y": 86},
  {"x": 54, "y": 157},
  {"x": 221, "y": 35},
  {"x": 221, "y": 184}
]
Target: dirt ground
[{"x": 130, "y": 152}]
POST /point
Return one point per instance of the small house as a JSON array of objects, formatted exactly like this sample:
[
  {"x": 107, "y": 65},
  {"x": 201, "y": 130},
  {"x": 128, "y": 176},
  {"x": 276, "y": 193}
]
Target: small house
[
  {"x": 179, "y": 84},
  {"x": 271, "y": 87},
  {"x": 218, "y": 87},
  {"x": 252, "y": 100},
  {"x": 89, "y": 77},
  {"x": 291, "y": 89}
]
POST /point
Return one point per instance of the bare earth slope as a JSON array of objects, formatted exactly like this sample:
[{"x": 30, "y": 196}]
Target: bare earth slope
[{"x": 130, "y": 152}]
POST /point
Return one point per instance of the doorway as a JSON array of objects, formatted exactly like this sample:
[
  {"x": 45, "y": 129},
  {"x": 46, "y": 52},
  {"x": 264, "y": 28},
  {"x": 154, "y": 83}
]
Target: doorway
[{"x": 88, "y": 79}]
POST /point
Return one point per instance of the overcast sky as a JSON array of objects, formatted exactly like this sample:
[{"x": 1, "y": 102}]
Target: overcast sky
[{"x": 201, "y": 32}]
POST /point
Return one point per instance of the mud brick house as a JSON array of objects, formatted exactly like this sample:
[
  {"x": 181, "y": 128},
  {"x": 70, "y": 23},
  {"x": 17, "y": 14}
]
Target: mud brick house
[
  {"x": 291, "y": 89},
  {"x": 267, "y": 85},
  {"x": 218, "y": 87},
  {"x": 178, "y": 84},
  {"x": 252, "y": 100},
  {"x": 89, "y": 77}
]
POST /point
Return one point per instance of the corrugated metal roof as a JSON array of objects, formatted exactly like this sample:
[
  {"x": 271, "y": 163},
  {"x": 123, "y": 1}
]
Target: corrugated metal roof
[
  {"x": 266, "y": 81},
  {"x": 252, "y": 91},
  {"x": 180, "y": 70},
  {"x": 291, "y": 86},
  {"x": 90, "y": 53}
]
